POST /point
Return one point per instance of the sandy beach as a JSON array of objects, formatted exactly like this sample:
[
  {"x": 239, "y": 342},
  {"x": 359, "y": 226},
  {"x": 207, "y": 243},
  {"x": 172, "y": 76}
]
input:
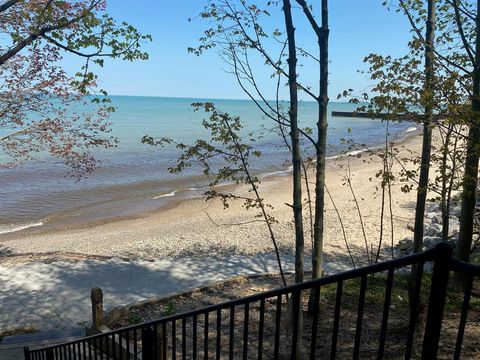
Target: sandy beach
[{"x": 183, "y": 228}]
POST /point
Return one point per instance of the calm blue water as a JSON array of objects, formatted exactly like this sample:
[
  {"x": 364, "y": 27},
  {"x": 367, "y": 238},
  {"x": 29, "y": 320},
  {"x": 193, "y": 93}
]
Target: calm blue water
[{"x": 133, "y": 178}]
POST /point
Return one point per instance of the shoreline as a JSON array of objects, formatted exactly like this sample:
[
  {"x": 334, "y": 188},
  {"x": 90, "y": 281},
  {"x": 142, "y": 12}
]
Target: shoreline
[
  {"x": 181, "y": 227},
  {"x": 53, "y": 223}
]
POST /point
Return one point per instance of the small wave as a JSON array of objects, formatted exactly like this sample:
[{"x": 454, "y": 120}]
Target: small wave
[
  {"x": 355, "y": 152},
  {"x": 275, "y": 173},
  {"x": 170, "y": 194},
  {"x": 349, "y": 153},
  {"x": 5, "y": 229},
  {"x": 410, "y": 129}
]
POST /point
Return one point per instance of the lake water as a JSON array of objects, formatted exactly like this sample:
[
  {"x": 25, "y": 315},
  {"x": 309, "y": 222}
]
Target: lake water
[{"x": 133, "y": 178}]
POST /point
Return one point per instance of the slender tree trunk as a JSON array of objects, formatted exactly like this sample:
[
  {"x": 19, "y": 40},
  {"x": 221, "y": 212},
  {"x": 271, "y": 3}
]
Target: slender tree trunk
[
  {"x": 426, "y": 149},
  {"x": 385, "y": 180},
  {"x": 321, "y": 147},
  {"x": 295, "y": 139},
  {"x": 296, "y": 160},
  {"x": 445, "y": 181},
  {"x": 453, "y": 175},
  {"x": 470, "y": 178},
  {"x": 427, "y": 129}
]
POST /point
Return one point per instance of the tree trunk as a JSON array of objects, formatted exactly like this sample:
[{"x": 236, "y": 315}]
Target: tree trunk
[
  {"x": 295, "y": 138},
  {"x": 296, "y": 160},
  {"x": 445, "y": 181},
  {"x": 321, "y": 147},
  {"x": 427, "y": 129},
  {"x": 470, "y": 178},
  {"x": 426, "y": 149}
]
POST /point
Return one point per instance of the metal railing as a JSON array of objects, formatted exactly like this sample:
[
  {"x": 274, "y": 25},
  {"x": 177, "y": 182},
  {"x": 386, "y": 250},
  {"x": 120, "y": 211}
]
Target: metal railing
[{"x": 275, "y": 324}]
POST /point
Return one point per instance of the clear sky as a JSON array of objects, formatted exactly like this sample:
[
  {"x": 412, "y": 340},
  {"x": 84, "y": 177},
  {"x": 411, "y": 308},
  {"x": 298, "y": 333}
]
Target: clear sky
[{"x": 357, "y": 28}]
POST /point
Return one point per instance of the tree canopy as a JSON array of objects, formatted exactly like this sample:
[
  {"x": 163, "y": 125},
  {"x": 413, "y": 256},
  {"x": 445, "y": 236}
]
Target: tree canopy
[{"x": 39, "y": 112}]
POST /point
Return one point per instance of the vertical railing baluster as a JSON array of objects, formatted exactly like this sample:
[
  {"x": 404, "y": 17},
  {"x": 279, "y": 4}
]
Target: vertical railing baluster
[
  {"x": 205, "y": 338},
  {"x": 361, "y": 307},
  {"x": 148, "y": 343},
  {"x": 156, "y": 350},
  {"x": 194, "y": 337},
  {"x": 114, "y": 348},
  {"x": 174, "y": 340},
  {"x": 219, "y": 334},
  {"x": 245, "y": 331},
  {"x": 107, "y": 346},
  {"x": 296, "y": 342},
  {"x": 164, "y": 340},
  {"x": 89, "y": 345},
  {"x": 232, "y": 332},
  {"x": 135, "y": 345},
  {"x": 336, "y": 320},
  {"x": 386, "y": 312},
  {"x": 95, "y": 346},
  {"x": 278, "y": 314},
  {"x": 261, "y": 323},
  {"x": 414, "y": 310},
  {"x": 315, "y": 309},
  {"x": 463, "y": 317},
  {"x": 184, "y": 338},
  {"x": 127, "y": 344},
  {"x": 436, "y": 303}
]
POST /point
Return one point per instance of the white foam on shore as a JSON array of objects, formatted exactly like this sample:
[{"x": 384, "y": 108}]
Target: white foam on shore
[
  {"x": 355, "y": 152},
  {"x": 276, "y": 173},
  {"x": 350, "y": 153},
  {"x": 410, "y": 129},
  {"x": 5, "y": 229},
  {"x": 170, "y": 194}
]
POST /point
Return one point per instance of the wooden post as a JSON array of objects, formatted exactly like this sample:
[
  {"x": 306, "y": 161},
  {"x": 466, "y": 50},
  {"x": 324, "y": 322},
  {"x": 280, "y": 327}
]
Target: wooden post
[{"x": 97, "y": 308}]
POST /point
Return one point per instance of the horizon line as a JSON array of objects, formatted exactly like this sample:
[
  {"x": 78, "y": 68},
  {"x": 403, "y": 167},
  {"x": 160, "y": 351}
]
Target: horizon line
[{"x": 214, "y": 98}]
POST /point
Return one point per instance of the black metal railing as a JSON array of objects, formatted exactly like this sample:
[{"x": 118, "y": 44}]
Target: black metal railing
[{"x": 280, "y": 324}]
